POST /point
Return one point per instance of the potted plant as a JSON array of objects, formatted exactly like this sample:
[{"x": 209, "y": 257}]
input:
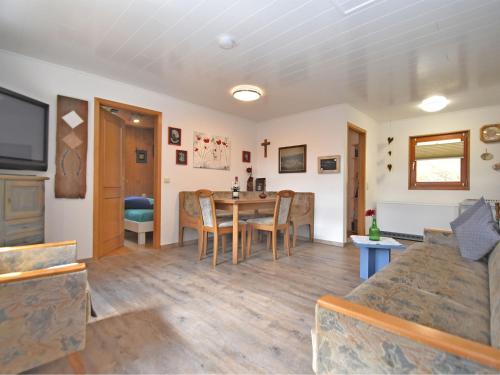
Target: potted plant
[{"x": 374, "y": 232}]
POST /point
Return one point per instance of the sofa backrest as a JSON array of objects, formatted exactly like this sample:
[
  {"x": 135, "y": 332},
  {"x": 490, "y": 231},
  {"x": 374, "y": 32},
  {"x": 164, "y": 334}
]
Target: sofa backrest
[{"x": 494, "y": 281}]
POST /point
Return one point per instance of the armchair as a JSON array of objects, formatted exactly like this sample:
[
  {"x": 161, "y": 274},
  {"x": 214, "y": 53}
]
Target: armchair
[{"x": 43, "y": 305}]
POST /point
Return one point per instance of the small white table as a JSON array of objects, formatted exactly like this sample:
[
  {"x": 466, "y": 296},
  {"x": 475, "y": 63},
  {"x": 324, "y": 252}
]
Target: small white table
[{"x": 374, "y": 255}]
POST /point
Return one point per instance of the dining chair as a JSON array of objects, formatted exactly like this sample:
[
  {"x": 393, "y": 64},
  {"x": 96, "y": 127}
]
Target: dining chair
[
  {"x": 272, "y": 224},
  {"x": 210, "y": 223}
]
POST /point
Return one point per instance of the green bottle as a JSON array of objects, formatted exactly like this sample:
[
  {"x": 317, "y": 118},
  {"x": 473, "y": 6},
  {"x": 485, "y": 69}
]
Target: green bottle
[{"x": 374, "y": 232}]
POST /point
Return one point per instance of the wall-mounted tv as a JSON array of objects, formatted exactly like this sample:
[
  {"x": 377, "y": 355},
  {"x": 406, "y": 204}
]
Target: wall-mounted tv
[{"x": 23, "y": 132}]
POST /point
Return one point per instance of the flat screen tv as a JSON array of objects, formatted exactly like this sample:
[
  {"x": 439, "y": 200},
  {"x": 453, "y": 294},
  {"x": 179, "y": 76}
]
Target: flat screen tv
[{"x": 23, "y": 132}]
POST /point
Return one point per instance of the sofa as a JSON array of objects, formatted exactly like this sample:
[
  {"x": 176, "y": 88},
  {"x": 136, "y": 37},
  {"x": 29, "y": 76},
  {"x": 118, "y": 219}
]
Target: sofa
[
  {"x": 302, "y": 211},
  {"x": 429, "y": 311},
  {"x": 44, "y": 305}
]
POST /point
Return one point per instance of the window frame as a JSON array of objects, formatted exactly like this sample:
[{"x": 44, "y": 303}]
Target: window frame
[{"x": 463, "y": 184}]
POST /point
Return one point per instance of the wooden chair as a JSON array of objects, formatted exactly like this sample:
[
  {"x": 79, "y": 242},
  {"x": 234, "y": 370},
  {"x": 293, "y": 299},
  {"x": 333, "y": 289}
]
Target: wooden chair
[
  {"x": 272, "y": 224},
  {"x": 210, "y": 224}
]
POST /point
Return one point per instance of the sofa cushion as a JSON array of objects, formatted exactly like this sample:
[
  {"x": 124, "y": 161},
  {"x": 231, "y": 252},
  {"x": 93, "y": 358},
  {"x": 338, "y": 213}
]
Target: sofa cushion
[
  {"x": 434, "y": 286},
  {"x": 494, "y": 274},
  {"x": 476, "y": 231}
]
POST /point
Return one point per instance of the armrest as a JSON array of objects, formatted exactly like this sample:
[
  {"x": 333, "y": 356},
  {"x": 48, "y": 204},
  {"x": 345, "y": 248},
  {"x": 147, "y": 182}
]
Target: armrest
[
  {"x": 439, "y": 340},
  {"x": 39, "y": 256},
  {"x": 46, "y": 272},
  {"x": 440, "y": 237}
]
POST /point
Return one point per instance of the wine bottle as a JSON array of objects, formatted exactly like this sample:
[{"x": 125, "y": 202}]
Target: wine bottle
[{"x": 236, "y": 188}]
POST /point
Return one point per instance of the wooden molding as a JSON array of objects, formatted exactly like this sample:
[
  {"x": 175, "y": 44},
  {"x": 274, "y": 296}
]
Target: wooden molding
[
  {"x": 471, "y": 350},
  {"x": 46, "y": 272},
  {"x": 22, "y": 177},
  {"x": 39, "y": 246}
]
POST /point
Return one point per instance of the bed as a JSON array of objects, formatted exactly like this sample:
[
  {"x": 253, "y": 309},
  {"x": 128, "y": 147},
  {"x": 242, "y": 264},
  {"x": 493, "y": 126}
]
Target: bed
[{"x": 139, "y": 216}]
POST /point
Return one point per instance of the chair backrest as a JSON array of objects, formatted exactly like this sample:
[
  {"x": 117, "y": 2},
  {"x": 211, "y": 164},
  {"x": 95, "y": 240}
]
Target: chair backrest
[
  {"x": 205, "y": 199},
  {"x": 282, "y": 209}
]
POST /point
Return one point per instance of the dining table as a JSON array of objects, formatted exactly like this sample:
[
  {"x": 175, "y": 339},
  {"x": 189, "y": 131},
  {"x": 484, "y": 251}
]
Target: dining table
[{"x": 236, "y": 206}]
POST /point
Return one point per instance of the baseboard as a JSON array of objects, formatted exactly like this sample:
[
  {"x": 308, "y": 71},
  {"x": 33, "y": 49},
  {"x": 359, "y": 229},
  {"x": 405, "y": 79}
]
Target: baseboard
[
  {"x": 324, "y": 242},
  {"x": 176, "y": 244}
]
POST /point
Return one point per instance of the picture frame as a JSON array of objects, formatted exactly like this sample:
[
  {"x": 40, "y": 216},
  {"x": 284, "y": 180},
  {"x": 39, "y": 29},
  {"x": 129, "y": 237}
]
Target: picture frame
[
  {"x": 246, "y": 156},
  {"x": 181, "y": 157},
  {"x": 174, "y": 136},
  {"x": 292, "y": 159},
  {"x": 260, "y": 184},
  {"x": 141, "y": 156},
  {"x": 329, "y": 164}
]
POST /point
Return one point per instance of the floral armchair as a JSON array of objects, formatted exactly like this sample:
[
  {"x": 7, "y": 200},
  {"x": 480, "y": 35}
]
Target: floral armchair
[{"x": 43, "y": 304}]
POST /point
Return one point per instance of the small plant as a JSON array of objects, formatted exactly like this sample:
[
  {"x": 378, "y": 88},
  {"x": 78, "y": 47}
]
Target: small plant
[{"x": 370, "y": 212}]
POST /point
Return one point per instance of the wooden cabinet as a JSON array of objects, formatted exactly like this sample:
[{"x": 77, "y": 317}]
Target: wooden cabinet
[{"x": 22, "y": 207}]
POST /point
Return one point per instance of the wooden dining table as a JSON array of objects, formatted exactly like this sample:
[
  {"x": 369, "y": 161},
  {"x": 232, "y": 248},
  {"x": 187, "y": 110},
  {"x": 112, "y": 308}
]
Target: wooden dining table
[{"x": 242, "y": 204}]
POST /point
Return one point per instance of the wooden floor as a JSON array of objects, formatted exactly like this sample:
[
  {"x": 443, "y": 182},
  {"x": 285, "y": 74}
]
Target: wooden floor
[{"x": 163, "y": 311}]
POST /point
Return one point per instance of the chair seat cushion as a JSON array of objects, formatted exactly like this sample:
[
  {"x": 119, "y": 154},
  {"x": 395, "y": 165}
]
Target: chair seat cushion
[
  {"x": 267, "y": 220},
  {"x": 229, "y": 223}
]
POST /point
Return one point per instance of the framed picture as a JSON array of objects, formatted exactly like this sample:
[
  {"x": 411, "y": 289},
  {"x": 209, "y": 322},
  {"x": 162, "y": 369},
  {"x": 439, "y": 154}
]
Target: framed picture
[
  {"x": 329, "y": 164},
  {"x": 174, "y": 136},
  {"x": 181, "y": 157},
  {"x": 141, "y": 156},
  {"x": 292, "y": 159},
  {"x": 260, "y": 184},
  {"x": 246, "y": 157}
]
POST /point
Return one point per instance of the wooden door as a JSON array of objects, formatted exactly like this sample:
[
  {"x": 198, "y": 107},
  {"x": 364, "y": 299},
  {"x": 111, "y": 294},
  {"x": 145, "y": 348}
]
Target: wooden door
[{"x": 111, "y": 205}]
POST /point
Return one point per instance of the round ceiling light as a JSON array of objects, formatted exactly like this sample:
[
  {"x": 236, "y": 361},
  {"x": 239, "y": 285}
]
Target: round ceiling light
[
  {"x": 246, "y": 93},
  {"x": 226, "y": 41},
  {"x": 434, "y": 103}
]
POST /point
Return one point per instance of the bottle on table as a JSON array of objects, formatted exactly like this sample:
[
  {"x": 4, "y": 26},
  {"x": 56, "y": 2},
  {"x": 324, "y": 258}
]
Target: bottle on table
[{"x": 236, "y": 188}]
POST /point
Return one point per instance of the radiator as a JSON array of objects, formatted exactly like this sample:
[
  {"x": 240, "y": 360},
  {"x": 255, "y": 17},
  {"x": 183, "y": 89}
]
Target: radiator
[{"x": 408, "y": 220}]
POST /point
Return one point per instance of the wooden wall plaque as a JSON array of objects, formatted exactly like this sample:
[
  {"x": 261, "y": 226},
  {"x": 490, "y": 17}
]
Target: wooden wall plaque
[{"x": 71, "y": 148}]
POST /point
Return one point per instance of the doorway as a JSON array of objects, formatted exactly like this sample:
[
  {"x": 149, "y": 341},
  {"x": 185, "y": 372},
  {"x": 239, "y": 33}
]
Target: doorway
[
  {"x": 356, "y": 179},
  {"x": 115, "y": 128}
]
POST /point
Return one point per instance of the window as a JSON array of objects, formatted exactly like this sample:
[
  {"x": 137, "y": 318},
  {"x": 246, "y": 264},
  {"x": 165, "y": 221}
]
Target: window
[{"x": 439, "y": 162}]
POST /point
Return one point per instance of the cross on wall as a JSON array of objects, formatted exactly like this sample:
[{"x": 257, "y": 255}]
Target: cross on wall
[{"x": 265, "y": 144}]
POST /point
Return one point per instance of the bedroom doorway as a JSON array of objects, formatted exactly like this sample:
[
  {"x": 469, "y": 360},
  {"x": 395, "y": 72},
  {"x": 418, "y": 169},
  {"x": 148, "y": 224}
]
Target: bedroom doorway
[
  {"x": 356, "y": 179},
  {"x": 127, "y": 163}
]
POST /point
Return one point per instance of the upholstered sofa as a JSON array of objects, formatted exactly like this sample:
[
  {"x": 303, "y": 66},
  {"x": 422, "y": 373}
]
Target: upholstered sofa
[
  {"x": 44, "y": 305},
  {"x": 429, "y": 311},
  {"x": 302, "y": 211}
]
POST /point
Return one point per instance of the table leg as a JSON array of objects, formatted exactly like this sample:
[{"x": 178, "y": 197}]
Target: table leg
[
  {"x": 366, "y": 262},
  {"x": 235, "y": 233}
]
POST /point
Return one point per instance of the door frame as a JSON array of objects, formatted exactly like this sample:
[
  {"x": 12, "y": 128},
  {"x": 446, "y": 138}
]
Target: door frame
[
  {"x": 362, "y": 178},
  {"x": 98, "y": 102}
]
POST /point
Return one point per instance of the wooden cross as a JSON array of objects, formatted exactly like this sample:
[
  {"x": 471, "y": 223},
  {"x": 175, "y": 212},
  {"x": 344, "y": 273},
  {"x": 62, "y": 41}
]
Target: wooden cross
[{"x": 265, "y": 144}]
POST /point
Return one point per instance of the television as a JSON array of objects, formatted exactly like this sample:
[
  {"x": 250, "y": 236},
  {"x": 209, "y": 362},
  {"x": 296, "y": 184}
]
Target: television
[{"x": 23, "y": 132}]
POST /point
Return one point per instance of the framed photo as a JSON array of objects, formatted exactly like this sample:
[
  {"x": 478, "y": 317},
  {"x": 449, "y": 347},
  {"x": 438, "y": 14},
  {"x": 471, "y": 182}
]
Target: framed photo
[
  {"x": 174, "y": 136},
  {"x": 141, "y": 156},
  {"x": 260, "y": 184},
  {"x": 181, "y": 157},
  {"x": 246, "y": 157},
  {"x": 329, "y": 164},
  {"x": 292, "y": 159}
]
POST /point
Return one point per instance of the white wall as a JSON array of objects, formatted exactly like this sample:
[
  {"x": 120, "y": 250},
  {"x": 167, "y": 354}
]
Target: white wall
[
  {"x": 325, "y": 132},
  {"x": 393, "y": 186},
  {"x": 72, "y": 218}
]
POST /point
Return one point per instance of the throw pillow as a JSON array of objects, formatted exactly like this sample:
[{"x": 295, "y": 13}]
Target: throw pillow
[
  {"x": 476, "y": 231},
  {"x": 139, "y": 203}
]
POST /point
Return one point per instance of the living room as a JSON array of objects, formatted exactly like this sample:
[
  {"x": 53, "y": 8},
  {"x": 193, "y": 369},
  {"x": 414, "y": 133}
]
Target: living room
[{"x": 319, "y": 67}]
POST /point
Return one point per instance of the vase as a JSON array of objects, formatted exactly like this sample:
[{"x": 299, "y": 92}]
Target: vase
[
  {"x": 250, "y": 184},
  {"x": 374, "y": 232}
]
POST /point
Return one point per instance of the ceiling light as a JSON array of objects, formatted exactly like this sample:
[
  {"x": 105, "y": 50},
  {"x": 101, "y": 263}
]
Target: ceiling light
[
  {"x": 226, "y": 41},
  {"x": 136, "y": 119},
  {"x": 434, "y": 103},
  {"x": 246, "y": 93}
]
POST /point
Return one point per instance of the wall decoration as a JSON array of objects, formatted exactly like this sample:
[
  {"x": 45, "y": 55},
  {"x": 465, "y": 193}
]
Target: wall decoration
[
  {"x": 246, "y": 157},
  {"x": 181, "y": 157},
  {"x": 486, "y": 155},
  {"x": 141, "y": 156},
  {"x": 389, "y": 141},
  {"x": 329, "y": 164},
  {"x": 496, "y": 167},
  {"x": 265, "y": 144},
  {"x": 292, "y": 159},
  {"x": 174, "y": 136},
  {"x": 490, "y": 133},
  {"x": 71, "y": 148},
  {"x": 211, "y": 152}
]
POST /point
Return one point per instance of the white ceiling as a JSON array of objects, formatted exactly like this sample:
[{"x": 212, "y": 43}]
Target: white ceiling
[{"x": 382, "y": 57}]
